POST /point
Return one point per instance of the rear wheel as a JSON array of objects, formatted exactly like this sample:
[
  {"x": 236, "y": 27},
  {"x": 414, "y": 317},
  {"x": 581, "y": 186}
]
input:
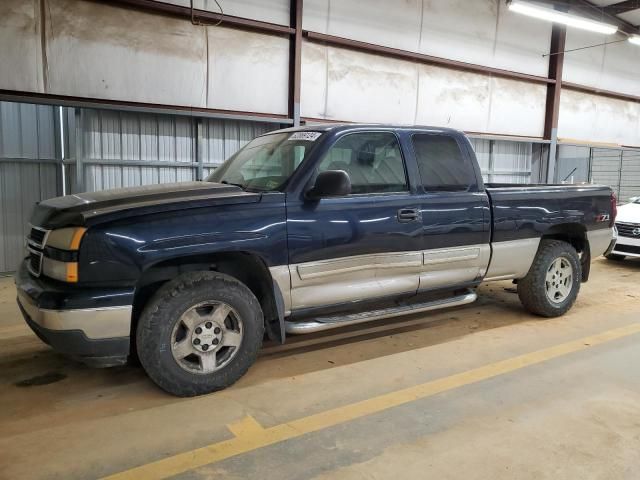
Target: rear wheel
[
  {"x": 615, "y": 257},
  {"x": 199, "y": 333},
  {"x": 553, "y": 281}
]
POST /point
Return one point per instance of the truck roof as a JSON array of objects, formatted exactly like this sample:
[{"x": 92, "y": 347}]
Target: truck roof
[{"x": 337, "y": 127}]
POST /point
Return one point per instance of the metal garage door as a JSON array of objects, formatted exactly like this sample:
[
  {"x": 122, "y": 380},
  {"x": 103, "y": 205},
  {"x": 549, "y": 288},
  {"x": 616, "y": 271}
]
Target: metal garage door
[
  {"x": 620, "y": 169},
  {"x": 29, "y": 172},
  {"x": 630, "y": 176},
  {"x": 606, "y": 167}
]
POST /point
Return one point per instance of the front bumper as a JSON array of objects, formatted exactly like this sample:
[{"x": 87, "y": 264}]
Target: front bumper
[
  {"x": 98, "y": 335},
  {"x": 627, "y": 246}
]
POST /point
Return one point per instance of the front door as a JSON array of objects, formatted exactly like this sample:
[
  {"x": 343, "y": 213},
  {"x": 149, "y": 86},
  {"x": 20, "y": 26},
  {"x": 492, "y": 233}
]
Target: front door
[{"x": 364, "y": 246}]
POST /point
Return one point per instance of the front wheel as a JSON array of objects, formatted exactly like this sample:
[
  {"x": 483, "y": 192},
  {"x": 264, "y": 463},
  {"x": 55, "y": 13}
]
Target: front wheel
[
  {"x": 553, "y": 281},
  {"x": 199, "y": 333}
]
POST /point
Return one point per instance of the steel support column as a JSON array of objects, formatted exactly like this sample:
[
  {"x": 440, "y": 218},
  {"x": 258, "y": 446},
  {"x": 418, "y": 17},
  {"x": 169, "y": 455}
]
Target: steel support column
[
  {"x": 295, "y": 61},
  {"x": 552, "y": 111}
]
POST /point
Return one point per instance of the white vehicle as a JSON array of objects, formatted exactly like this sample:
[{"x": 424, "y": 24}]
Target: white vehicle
[{"x": 628, "y": 226}]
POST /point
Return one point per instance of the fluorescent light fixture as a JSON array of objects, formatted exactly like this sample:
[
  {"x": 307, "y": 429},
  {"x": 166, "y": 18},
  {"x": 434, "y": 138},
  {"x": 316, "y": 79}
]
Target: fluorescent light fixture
[
  {"x": 552, "y": 15},
  {"x": 635, "y": 39}
]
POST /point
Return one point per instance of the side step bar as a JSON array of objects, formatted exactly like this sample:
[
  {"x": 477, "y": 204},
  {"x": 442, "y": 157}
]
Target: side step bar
[{"x": 326, "y": 323}]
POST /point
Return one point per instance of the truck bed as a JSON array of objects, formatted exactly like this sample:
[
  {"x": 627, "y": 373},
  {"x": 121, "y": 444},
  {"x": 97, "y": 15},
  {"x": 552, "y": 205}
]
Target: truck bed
[{"x": 521, "y": 211}]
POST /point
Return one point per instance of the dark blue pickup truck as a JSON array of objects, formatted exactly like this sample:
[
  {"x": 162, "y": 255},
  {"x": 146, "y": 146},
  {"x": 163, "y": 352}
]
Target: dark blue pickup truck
[{"x": 302, "y": 230}]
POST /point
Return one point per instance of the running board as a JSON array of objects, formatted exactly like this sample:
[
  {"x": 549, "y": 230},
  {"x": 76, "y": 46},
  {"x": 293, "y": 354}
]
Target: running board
[{"x": 326, "y": 323}]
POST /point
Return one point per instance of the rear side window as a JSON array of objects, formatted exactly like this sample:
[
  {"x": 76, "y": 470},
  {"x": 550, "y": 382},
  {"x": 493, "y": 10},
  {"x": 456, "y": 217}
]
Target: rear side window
[{"x": 442, "y": 165}]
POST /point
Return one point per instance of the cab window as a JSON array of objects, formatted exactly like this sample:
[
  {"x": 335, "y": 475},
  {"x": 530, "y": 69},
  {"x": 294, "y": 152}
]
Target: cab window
[
  {"x": 441, "y": 163},
  {"x": 373, "y": 161}
]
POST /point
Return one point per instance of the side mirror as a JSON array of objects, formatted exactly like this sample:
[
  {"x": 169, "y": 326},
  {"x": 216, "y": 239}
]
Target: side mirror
[{"x": 330, "y": 183}]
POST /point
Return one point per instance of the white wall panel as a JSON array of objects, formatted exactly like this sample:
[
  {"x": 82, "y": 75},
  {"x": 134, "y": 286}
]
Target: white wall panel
[
  {"x": 614, "y": 67},
  {"x": 520, "y": 42},
  {"x": 517, "y": 108},
  {"x": 598, "y": 119},
  {"x": 453, "y": 99},
  {"x": 341, "y": 84},
  {"x": 479, "y": 31},
  {"x": 359, "y": 87},
  {"x": 20, "y": 56},
  {"x": 313, "y": 85},
  {"x": 99, "y": 51},
  {"x": 247, "y": 71},
  {"x": 393, "y": 23}
]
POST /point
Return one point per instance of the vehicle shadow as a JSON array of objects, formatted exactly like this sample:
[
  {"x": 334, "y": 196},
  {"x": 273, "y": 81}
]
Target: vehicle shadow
[{"x": 497, "y": 306}]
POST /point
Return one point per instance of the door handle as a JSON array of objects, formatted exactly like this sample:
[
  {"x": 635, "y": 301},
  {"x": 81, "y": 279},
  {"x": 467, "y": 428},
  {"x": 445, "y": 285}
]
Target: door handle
[{"x": 406, "y": 215}]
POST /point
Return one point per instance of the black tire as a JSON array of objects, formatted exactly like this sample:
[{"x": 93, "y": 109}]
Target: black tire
[
  {"x": 532, "y": 289},
  {"x": 158, "y": 323},
  {"x": 615, "y": 257}
]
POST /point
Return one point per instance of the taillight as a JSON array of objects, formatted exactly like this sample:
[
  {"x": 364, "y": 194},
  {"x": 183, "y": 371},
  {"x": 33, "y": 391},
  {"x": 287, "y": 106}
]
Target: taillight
[{"x": 614, "y": 209}]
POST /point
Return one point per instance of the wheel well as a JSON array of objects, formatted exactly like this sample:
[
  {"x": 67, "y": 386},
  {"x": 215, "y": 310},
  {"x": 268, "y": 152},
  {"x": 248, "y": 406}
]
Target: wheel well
[
  {"x": 576, "y": 235},
  {"x": 245, "y": 267}
]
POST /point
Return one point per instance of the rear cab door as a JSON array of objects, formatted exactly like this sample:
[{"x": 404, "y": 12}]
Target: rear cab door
[{"x": 455, "y": 210}]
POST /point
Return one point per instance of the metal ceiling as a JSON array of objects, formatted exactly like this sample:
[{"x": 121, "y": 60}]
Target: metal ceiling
[{"x": 624, "y": 14}]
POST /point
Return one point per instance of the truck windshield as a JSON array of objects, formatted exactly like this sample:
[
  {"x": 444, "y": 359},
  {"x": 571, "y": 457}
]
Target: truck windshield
[{"x": 267, "y": 162}]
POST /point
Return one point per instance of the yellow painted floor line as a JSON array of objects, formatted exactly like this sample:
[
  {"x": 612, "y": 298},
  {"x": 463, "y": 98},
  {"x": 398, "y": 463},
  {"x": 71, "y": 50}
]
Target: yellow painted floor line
[{"x": 250, "y": 435}]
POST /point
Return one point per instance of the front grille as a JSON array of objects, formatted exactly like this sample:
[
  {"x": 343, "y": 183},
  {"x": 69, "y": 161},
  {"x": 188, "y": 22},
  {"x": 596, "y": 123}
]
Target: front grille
[
  {"x": 37, "y": 236},
  {"x": 627, "y": 248},
  {"x": 626, "y": 229},
  {"x": 35, "y": 262},
  {"x": 36, "y": 240}
]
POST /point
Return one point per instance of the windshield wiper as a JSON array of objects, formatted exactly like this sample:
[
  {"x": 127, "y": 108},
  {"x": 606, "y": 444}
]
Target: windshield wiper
[{"x": 226, "y": 182}]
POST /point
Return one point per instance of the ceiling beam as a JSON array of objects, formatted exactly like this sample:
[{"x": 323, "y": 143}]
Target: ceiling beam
[
  {"x": 590, "y": 10},
  {"x": 622, "y": 7}
]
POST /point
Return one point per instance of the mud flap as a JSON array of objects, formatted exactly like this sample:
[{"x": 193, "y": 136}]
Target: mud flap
[{"x": 275, "y": 326}]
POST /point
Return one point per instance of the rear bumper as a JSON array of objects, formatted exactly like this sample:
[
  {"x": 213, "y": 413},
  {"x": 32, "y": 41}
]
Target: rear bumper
[
  {"x": 98, "y": 336},
  {"x": 600, "y": 241}
]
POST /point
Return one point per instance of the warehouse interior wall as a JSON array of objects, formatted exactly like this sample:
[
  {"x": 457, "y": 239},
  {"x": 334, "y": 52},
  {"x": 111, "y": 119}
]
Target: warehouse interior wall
[{"x": 95, "y": 50}]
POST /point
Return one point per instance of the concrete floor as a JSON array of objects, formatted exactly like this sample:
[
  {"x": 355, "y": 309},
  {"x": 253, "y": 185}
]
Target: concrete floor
[{"x": 452, "y": 394}]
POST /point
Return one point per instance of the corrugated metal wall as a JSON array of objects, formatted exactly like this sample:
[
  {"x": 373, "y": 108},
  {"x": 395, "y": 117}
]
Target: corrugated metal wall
[
  {"x": 506, "y": 161},
  {"x": 630, "y": 177},
  {"x": 120, "y": 149},
  {"x": 29, "y": 172},
  {"x": 606, "y": 167},
  {"x": 221, "y": 139},
  {"x": 573, "y": 164},
  {"x": 616, "y": 167}
]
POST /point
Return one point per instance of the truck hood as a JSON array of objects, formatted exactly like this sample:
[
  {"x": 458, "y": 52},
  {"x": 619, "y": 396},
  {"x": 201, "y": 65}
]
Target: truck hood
[
  {"x": 629, "y": 213},
  {"x": 96, "y": 207}
]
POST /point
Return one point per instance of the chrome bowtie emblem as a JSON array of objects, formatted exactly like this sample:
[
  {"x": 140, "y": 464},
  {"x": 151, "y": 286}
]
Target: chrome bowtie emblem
[{"x": 636, "y": 231}]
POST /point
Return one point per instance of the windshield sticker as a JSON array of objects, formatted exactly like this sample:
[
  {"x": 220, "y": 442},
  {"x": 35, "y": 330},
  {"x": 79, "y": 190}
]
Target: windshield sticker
[{"x": 308, "y": 136}]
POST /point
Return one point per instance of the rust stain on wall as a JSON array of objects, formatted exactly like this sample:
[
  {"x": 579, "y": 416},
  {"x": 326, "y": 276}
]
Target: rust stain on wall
[
  {"x": 99, "y": 23},
  {"x": 18, "y": 15}
]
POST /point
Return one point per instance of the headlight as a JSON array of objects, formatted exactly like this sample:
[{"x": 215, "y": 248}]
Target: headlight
[
  {"x": 66, "y": 238},
  {"x": 60, "y": 260}
]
